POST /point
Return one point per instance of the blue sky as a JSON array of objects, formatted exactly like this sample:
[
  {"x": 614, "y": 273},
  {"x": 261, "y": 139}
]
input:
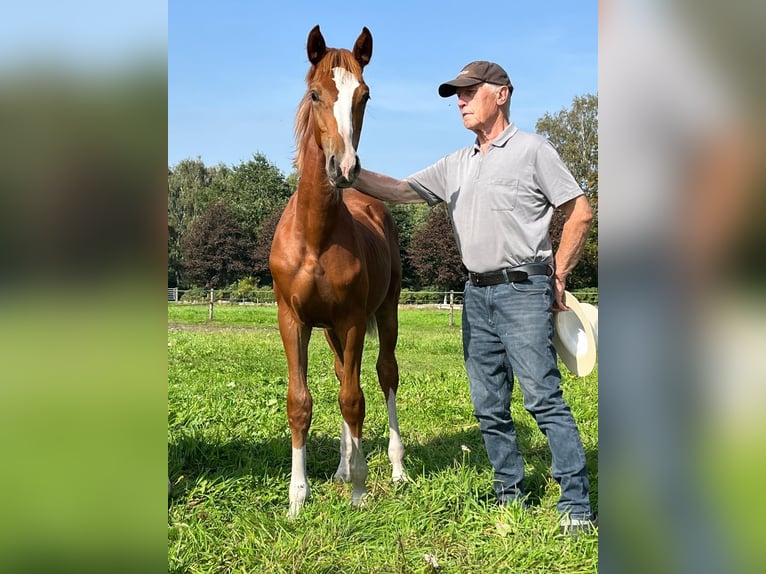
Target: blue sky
[
  {"x": 236, "y": 72},
  {"x": 81, "y": 35}
]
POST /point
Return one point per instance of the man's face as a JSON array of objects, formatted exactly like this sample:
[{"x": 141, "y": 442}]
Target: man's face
[{"x": 479, "y": 105}]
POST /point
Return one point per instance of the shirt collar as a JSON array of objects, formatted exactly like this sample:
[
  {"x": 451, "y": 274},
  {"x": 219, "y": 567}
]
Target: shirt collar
[{"x": 500, "y": 140}]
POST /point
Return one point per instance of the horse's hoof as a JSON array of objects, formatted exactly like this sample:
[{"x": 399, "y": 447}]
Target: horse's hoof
[
  {"x": 295, "y": 510},
  {"x": 342, "y": 477},
  {"x": 359, "y": 499},
  {"x": 299, "y": 493},
  {"x": 400, "y": 478}
]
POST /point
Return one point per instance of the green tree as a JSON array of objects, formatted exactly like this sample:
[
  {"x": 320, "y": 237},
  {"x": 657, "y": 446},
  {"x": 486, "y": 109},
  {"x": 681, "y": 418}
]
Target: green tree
[
  {"x": 434, "y": 255},
  {"x": 292, "y": 181},
  {"x": 215, "y": 251},
  {"x": 254, "y": 189},
  {"x": 573, "y": 132},
  {"x": 189, "y": 193},
  {"x": 409, "y": 218},
  {"x": 262, "y": 248}
]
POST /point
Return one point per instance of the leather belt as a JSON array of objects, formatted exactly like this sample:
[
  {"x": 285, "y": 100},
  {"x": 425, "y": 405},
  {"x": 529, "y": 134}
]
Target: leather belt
[{"x": 509, "y": 275}]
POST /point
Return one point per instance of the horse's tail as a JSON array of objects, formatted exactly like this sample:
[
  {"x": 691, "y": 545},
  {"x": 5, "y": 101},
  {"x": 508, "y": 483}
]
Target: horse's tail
[{"x": 372, "y": 326}]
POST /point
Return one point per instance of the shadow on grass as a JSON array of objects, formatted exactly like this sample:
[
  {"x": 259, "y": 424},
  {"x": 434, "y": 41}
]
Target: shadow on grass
[{"x": 268, "y": 461}]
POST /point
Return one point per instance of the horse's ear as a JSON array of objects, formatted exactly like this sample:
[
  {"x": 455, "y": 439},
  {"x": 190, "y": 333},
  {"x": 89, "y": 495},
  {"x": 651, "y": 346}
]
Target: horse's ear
[
  {"x": 363, "y": 47},
  {"x": 316, "y": 46}
]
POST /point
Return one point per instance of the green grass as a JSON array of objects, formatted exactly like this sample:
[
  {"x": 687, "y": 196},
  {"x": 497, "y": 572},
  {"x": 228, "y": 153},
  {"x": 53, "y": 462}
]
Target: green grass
[{"x": 229, "y": 460}]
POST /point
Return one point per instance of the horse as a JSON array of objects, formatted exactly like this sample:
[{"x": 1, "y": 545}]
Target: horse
[{"x": 336, "y": 266}]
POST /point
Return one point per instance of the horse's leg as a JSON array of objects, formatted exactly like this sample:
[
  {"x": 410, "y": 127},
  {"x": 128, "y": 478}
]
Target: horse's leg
[
  {"x": 388, "y": 377},
  {"x": 344, "y": 472},
  {"x": 295, "y": 338},
  {"x": 351, "y": 400}
]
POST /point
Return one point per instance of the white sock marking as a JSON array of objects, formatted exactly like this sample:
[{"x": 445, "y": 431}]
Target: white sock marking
[
  {"x": 395, "y": 447},
  {"x": 299, "y": 486},
  {"x": 344, "y": 471},
  {"x": 359, "y": 471}
]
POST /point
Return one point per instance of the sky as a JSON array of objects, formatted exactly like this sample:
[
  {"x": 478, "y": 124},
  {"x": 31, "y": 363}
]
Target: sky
[
  {"x": 80, "y": 35},
  {"x": 236, "y": 72}
]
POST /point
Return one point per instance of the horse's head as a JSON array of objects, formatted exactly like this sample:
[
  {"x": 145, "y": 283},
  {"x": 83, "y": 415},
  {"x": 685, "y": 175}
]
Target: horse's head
[{"x": 338, "y": 96}]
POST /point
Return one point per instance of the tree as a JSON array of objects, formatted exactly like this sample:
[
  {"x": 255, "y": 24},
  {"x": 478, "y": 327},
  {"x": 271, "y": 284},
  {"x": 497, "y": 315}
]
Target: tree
[
  {"x": 262, "y": 248},
  {"x": 434, "y": 255},
  {"x": 254, "y": 189},
  {"x": 215, "y": 251},
  {"x": 189, "y": 193},
  {"x": 408, "y": 219},
  {"x": 574, "y": 134}
]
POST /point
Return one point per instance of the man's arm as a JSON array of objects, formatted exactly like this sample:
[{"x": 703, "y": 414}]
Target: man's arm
[
  {"x": 386, "y": 188},
  {"x": 579, "y": 218}
]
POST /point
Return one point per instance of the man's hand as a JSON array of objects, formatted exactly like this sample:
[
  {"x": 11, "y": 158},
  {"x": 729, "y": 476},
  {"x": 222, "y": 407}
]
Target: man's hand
[
  {"x": 559, "y": 286},
  {"x": 579, "y": 217}
]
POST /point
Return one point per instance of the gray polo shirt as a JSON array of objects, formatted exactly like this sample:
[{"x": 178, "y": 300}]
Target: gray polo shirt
[{"x": 500, "y": 202}]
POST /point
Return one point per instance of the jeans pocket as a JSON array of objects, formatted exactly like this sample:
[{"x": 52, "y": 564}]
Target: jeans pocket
[{"x": 534, "y": 285}]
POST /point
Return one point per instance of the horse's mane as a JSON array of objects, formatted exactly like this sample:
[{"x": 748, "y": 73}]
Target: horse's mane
[{"x": 334, "y": 58}]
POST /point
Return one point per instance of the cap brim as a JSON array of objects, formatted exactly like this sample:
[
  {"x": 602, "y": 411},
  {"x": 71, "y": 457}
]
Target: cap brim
[
  {"x": 574, "y": 339},
  {"x": 448, "y": 89}
]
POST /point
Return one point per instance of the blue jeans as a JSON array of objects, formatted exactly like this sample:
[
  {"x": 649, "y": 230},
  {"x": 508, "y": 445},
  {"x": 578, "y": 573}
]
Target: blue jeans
[{"x": 507, "y": 330}]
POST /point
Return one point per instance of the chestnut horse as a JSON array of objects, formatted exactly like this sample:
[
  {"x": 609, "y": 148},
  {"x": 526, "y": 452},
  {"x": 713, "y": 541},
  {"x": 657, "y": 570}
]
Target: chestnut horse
[{"x": 335, "y": 263}]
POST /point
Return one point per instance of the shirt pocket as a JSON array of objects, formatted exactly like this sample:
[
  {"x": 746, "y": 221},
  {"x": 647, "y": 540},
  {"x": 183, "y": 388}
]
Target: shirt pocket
[{"x": 502, "y": 193}]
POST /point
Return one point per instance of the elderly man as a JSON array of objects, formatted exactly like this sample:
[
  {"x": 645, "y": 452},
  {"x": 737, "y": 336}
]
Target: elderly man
[{"x": 501, "y": 192}]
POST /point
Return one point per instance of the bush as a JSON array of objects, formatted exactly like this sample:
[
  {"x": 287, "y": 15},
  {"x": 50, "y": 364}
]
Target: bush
[
  {"x": 195, "y": 294},
  {"x": 586, "y": 295},
  {"x": 409, "y": 297},
  {"x": 245, "y": 289},
  {"x": 201, "y": 295}
]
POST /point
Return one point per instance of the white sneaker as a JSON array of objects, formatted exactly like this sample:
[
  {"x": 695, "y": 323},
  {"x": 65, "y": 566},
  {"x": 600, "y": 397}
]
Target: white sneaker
[{"x": 574, "y": 524}]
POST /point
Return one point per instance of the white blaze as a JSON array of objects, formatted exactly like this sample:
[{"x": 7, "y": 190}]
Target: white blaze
[{"x": 346, "y": 84}]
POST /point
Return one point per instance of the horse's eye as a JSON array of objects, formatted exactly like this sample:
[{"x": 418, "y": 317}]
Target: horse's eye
[
  {"x": 314, "y": 96},
  {"x": 365, "y": 97}
]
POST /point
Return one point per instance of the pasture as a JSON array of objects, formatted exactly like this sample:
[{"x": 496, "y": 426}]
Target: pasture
[{"x": 229, "y": 460}]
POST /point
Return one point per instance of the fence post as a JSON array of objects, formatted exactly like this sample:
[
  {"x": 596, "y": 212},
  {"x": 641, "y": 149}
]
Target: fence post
[
  {"x": 451, "y": 308},
  {"x": 210, "y": 307}
]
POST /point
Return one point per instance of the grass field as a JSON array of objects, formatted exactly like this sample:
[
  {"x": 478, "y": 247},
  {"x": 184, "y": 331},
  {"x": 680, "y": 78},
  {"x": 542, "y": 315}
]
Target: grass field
[{"x": 229, "y": 460}]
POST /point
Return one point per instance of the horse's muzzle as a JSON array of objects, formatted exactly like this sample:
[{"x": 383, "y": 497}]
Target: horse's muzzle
[{"x": 340, "y": 175}]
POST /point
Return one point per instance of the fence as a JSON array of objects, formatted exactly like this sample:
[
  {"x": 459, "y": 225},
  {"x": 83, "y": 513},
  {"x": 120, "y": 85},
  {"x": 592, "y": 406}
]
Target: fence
[{"x": 440, "y": 299}]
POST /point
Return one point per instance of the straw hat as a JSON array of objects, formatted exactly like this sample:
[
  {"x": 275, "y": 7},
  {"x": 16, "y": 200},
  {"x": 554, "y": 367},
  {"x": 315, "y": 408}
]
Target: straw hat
[
  {"x": 591, "y": 312},
  {"x": 574, "y": 335}
]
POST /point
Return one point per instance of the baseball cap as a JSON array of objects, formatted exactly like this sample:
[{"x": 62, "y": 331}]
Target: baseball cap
[{"x": 476, "y": 73}]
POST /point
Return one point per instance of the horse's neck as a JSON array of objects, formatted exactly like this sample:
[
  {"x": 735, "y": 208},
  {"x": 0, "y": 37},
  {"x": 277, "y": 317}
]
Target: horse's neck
[{"x": 318, "y": 202}]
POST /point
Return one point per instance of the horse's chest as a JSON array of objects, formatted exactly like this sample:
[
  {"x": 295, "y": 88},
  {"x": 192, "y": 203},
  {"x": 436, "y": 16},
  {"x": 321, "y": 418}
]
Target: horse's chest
[
  {"x": 320, "y": 289},
  {"x": 327, "y": 279}
]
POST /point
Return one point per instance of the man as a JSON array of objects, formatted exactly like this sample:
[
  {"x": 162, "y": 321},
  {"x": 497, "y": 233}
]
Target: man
[{"x": 501, "y": 193}]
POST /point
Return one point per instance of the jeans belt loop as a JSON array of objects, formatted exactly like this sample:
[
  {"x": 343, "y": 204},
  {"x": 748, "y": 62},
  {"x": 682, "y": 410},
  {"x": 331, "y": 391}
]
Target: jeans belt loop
[{"x": 505, "y": 275}]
